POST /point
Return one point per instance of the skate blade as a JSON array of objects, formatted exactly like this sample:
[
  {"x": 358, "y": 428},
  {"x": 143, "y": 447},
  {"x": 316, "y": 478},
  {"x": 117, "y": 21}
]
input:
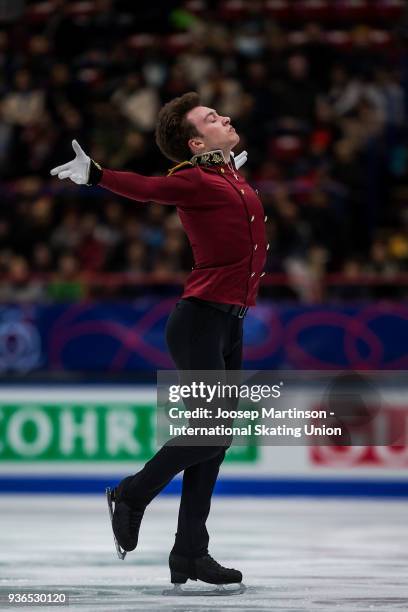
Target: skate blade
[
  {"x": 217, "y": 591},
  {"x": 121, "y": 553}
]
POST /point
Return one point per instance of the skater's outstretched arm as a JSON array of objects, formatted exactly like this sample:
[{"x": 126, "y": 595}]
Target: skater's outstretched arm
[{"x": 175, "y": 189}]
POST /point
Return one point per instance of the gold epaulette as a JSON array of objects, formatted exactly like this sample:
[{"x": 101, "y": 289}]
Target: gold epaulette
[{"x": 183, "y": 164}]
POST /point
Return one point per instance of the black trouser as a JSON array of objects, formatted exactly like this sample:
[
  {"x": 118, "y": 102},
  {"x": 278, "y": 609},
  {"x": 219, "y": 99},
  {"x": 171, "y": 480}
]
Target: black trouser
[{"x": 199, "y": 337}]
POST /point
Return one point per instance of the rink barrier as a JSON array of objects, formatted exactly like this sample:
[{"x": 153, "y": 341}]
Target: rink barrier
[
  {"x": 130, "y": 335},
  {"x": 225, "y": 487}
]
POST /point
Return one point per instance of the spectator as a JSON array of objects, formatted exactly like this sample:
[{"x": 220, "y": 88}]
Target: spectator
[
  {"x": 137, "y": 102},
  {"x": 67, "y": 234},
  {"x": 297, "y": 92},
  {"x": 380, "y": 263},
  {"x": 16, "y": 287},
  {"x": 23, "y": 105},
  {"x": 66, "y": 284},
  {"x": 42, "y": 261},
  {"x": 92, "y": 247},
  {"x": 135, "y": 259}
]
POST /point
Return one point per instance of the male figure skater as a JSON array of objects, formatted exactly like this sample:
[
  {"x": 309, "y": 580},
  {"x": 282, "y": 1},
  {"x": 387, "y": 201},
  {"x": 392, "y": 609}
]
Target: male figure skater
[{"x": 224, "y": 221}]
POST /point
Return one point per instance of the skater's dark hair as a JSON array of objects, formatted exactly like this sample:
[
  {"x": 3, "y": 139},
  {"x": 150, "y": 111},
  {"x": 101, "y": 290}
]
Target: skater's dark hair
[{"x": 173, "y": 131}]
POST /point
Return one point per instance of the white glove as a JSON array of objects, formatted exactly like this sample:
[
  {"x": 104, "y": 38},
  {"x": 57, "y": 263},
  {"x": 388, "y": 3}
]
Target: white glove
[
  {"x": 77, "y": 169},
  {"x": 240, "y": 159}
]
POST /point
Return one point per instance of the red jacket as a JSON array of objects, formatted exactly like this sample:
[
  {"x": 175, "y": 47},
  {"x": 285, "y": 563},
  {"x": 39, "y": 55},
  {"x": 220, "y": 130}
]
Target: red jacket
[{"x": 222, "y": 217}]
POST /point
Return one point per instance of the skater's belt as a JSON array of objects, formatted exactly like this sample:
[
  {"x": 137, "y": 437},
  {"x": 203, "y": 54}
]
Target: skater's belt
[{"x": 234, "y": 309}]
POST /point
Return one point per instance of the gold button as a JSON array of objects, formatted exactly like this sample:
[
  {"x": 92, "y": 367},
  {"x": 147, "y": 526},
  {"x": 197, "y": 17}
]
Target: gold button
[
  {"x": 267, "y": 247},
  {"x": 222, "y": 170},
  {"x": 252, "y": 218},
  {"x": 242, "y": 191},
  {"x": 253, "y": 274},
  {"x": 255, "y": 247},
  {"x": 266, "y": 218},
  {"x": 256, "y": 191},
  {"x": 263, "y": 274}
]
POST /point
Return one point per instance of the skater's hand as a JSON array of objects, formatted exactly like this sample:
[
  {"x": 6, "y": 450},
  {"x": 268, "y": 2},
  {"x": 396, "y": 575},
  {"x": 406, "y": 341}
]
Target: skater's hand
[
  {"x": 77, "y": 169},
  {"x": 240, "y": 159}
]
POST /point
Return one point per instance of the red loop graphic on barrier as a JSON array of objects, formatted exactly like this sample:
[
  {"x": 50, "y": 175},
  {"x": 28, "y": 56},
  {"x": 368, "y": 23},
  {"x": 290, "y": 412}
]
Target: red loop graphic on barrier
[
  {"x": 131, "y": 339},
  {"x": 352, "y": 328}
]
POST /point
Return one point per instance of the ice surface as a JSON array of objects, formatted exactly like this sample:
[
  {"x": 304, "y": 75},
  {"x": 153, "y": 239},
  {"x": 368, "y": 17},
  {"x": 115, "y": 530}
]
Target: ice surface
[{"x": 297, "y": 555}]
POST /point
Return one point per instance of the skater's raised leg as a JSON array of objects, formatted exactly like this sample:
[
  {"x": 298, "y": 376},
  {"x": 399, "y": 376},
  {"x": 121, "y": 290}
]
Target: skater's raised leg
[{"x": 134, "y": 493}]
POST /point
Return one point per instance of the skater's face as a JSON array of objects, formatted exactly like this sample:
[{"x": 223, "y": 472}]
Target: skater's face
[{"x": 216, "y": 131}]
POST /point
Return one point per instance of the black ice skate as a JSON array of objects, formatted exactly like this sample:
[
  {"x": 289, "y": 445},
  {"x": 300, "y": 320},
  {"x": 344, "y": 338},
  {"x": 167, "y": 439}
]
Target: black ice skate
[
  {"x": 206, "y": 569},
  {"x": 125, "y": 522}
]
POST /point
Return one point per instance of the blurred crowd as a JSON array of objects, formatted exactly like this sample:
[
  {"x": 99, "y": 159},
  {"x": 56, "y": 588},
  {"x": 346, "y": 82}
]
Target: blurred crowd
[{"x": 321, "y": 107}]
